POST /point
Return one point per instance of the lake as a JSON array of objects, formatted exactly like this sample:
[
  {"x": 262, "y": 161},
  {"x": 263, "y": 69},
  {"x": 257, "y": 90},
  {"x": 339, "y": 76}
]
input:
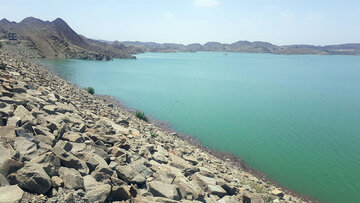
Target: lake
[{"x": 294, "y": 117}]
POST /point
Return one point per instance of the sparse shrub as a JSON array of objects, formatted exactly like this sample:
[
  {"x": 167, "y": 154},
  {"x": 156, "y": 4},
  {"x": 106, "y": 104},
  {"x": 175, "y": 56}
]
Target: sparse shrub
[
  {"x": 154, "y": 134},
  {"x": 90, "y": 90},
  {"x": 141, "y": 116},
  {"x": 258, "y": 188}
]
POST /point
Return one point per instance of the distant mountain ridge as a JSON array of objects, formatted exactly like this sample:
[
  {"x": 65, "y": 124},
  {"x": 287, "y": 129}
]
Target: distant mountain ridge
[
  {"x": 249, "y": 47},
  {"x": 57, "y": 39}
]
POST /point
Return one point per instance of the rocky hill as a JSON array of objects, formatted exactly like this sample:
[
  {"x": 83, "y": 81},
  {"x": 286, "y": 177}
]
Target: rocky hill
[
  {"x": 57, "y": 39},
  {"x": 249, "y": 47},
  {"x": 60, "y": 144}
]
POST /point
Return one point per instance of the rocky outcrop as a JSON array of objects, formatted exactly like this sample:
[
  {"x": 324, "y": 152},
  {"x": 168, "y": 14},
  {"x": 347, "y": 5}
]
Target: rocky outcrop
[
  {"x": 37, "y": 38},
  {"x": 60, "y": 144}
]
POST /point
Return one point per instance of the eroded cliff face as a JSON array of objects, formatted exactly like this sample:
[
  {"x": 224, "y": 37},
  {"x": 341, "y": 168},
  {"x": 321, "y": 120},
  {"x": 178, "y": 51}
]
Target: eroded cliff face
[
  {"x": 57, "y": 39},
  {"x": 60, "y": 144}
]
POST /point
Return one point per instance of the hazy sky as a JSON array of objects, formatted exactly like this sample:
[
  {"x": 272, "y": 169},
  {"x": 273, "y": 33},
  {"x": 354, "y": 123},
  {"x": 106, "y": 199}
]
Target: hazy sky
[{"x": 280, "y": 22}]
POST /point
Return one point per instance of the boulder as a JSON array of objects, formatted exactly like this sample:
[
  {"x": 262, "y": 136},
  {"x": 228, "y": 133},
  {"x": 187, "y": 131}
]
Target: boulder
[
  {"x": 5, "y": 154},
  {"x": 11, "y": 194},
  {"x": 190, "y": 159},
  {"x": 94, "y": 160},
  {"x": 126, "y": 173},
  {"x": 27, "y": 149},
  {"x": 251, "y": 197},
  {"x": 206, "y": 172},
  {"x": 33, "y": 178},
  {"x": 95, "y": 191},
  {"x": 10, "y": 166},
  {"x": 179, "y": 162},
  {"x": 65, "y": 145},
  {"x": 13, "y": 122},
  {"x": 57, "y": 181},
  {"x": 131, "y": 173},
  {"x": 6, "y": 109},
  {"x": 27, "y": 119},
  {"x": 160, "y": 158},
  {"x": 278, "y": 193},
  {"x": 216, "y": 190},
  {"x": 161, "y": 189},
  {"x": 73, "y": 137},
  {"x": 70, "y": 161},
  {"x": 190, "y": 190},
  {"x": 120, "y": 193},
  {"x": 7, "y": 134},
  {"x": 102, "y": 173},
  {"x": 49, "y": 162},
  {"x": 59, "y": 108},
  {"x": 78, "y": 147},
  {"x": 3, "y": 181},
  {"x": 231, "y": 199},
  {"x": 39, "y": 130},
  {"x": 203, "y": 181},
  {"x": 72, "y": 178}
]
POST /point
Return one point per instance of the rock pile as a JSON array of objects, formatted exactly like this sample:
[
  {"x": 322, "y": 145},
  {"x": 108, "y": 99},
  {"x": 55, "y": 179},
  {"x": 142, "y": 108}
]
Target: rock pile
[{"x": 60, "y": 144}]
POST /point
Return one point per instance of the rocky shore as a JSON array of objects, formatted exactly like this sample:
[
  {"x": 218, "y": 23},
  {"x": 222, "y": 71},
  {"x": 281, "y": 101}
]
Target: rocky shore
[{"x": 60, "y": 144}]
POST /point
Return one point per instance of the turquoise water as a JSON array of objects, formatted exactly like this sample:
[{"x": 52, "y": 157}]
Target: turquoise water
[{"x": 296, "y": 118}]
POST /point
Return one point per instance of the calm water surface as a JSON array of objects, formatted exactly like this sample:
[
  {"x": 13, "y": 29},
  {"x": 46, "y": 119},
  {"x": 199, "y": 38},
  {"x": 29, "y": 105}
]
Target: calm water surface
[{"x": 296, "y": 118}]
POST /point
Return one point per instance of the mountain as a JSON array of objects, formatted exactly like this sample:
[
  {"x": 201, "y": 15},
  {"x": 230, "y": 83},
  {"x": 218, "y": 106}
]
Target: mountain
[
  {"x": 57, "y": 39},
  {"x": 249, "y": 47}
]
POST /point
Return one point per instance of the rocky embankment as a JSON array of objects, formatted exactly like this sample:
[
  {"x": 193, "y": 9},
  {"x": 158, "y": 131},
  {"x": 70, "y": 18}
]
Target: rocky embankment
[{"x": 60, "y": 144}]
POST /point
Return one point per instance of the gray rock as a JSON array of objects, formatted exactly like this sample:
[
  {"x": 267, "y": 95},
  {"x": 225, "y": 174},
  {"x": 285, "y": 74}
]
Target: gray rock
[
  {"x": 94, "y": 160},
  {"x": 3, "y": 181},
  {"x": 102, "y": 173},
  {"x": 5, "y": 154},
  {"x": 191, "y": 159},
  {"x": 13, "y": 121},
  {"x": 126, "y": 173},
  {"x": 70, "y": 161},
  {"x": 96, "y": 191},
  {"x": 57, "y": 181},
  {"x": 10, "y": 166},
  {"x": 49, "y": 162},
  {"x": 27, "y": 119},
  {"x": 206, "y": 172},
  {"x": 120, "y": 193},
  {"x": 203, "y": 181},
  {"x": 33, "y": 178},
  {"x": 216, "y": 190},
  {"x": 27, "y": 149},
  {"x": 73, "y": 137},
  {"x": 251, "y": 197},
  {"x": 65, "y": 145},
  {"x": 161, "y": 189},
  {"x": 7, "y": 134},
  {"x": 11, "y": 194},
  {"x": 72, "y": 178},
  {"x": 231, "y": 199},
  {"x": 78, "y": 147},
  {"x": 160, "y": 158},
  {"x": 6, "y": 109},
  {"x": 190, "y": 190},
  {"x": 179, "y": 162},
  {"x": 130, "y": 173}
]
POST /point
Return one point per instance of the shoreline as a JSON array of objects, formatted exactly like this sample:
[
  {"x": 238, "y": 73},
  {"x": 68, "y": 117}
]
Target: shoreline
[
  {"x": 166, "y": 153},
  {"x": 230, "y": 158}
]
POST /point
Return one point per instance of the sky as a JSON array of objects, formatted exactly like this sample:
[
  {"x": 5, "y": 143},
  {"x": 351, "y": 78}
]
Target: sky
[{"x": 281, "y": 22}]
